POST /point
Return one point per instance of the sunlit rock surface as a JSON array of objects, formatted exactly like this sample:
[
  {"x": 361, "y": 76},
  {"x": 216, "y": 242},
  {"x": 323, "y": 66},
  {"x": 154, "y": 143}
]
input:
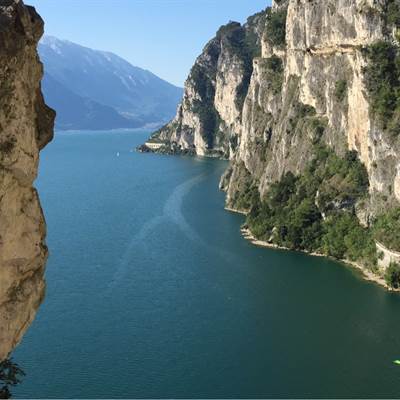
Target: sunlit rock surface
[
  {"x": 26, "y": 126},
  {"x": 235, "y": 107}
]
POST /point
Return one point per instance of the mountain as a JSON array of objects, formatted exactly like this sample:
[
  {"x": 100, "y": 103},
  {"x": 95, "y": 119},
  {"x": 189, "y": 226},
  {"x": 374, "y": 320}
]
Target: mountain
[
  {"x": 304, "y": 101},
  {"x": 93, "y": 89},
  {"x": 76, "y": 112}
]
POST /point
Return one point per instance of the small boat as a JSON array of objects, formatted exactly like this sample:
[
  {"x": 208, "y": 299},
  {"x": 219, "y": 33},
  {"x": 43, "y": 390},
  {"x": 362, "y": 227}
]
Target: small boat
[
  {"x": 397, "y": 362},
  {"x": 118, "y": 154}
]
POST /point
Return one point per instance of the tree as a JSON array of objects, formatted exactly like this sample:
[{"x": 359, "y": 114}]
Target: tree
[
  {"x": 10, "y": 375},
  {"x": 392, "y": 275}
]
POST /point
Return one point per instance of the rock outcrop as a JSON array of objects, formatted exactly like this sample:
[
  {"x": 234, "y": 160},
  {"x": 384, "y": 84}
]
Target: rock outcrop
[
  {"x": 209, "y": 119},
  {"x": 323, "y": 49},
  {"x": 297, "y": 76},
  {"x": 26, "y": 126},
  {"x": 306, "y": 83}
]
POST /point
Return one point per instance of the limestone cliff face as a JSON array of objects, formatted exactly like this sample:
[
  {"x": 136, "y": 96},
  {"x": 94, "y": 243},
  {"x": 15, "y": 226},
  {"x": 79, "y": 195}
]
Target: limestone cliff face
[
  {"x": 26, "y": 126},
  {"x": 323, "y": 48},
  {"x": 306, "y": 85},
  {"x": 208, "y": 121}
]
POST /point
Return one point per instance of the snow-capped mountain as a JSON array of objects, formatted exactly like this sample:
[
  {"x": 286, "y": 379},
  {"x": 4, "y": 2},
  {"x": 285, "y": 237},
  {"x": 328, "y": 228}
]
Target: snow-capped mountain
[{"x": 109, "y": 92}]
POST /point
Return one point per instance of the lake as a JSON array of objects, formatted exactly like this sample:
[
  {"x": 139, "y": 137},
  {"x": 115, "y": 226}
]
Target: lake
[{"x": 152, "y": 291}]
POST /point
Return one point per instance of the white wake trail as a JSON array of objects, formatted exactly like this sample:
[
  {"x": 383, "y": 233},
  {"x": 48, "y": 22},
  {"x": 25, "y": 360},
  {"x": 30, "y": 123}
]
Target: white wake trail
[{"x": 172, "y": 211}]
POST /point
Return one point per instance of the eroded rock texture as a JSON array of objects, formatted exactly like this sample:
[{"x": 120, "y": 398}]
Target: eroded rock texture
[
  {"x": 305, "y": 89},
  {"x": 209, "y": 119},
  {"x": 26, "y": 126}
]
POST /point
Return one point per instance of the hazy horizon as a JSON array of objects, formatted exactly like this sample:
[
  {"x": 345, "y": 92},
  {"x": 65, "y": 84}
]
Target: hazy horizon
[{"x": 162, "y": 36}]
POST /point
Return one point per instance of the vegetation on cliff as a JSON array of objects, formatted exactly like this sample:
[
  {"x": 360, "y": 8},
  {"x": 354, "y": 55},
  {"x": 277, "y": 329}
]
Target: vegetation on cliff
[
  {"x": 273, "y": 70},
  {"x": 393, "y": 13},
  {"x": 315, "y": 211},
  {"x": 244, "y": 42},
  {"x": 275, "y": 30},
  {"x": 392, "y": 276},
  {"x": 387, "y": 229},
  {"x": 341, "y": 90},
  {"x": 382, "y": 73},
  {"x": 382, "y": 79},
  {"x": 10, "y": 376},
  {"x": 204, "y": 106},
  {"x": 321, "y": 207}
]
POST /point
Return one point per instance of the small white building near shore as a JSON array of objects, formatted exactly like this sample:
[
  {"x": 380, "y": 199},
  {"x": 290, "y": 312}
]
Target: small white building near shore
[{"x": 154, "y": 145}]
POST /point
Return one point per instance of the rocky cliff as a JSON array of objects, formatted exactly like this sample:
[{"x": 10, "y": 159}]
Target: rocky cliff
[
  {"x": 209, "y": 118},
  {"x": 26, "y": 126},
  {"x": 322, "y": 98},
  {"x": 297, "y": 78}
]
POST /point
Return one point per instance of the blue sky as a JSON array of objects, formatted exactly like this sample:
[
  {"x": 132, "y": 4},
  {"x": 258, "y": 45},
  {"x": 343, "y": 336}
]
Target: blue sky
[{"x": 164, "y": 36}]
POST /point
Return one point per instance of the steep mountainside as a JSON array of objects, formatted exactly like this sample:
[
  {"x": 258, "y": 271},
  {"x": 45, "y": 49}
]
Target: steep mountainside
[
  {"x": 304, "y": 101},
  {"x": 76, "y": 112},
  {"x": 26, "y": 127},
  {"x": 102, "y": 84},
  {"x": 208, "y": 120}
]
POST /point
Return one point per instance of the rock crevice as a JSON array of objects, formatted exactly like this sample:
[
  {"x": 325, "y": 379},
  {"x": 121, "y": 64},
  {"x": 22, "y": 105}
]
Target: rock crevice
[
  {"x": 26, "y": 126},
  {"x": 292, "y": 83}
]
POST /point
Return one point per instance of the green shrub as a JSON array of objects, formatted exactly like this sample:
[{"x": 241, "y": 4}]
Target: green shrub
[
  {"x": 276, "y": 27},
  {"x": 344, "y": 180},
  {"x": 245, "y": 44},
  {"x": 202, "y": 83},
  {"x": 305, "y": 110},
  {"x": 344, "y": 237},
  {"x": 341, "y": 90},
  {"x": 255, "y": 24},
  {"x": 290, "y": 214},
  {"x": 228, "y": 29},
  {"x": 247, "y": 197},
  {"x": 204, "y": 107},
  {"x": 383, "y": 84},
  {"x": 10, "y": 376},
  {"x": 393, "y": 13},
  {"x": 233, "y": 38},
  {"x": 305, "y": 117},
  {"x": 317, "y": 127},
  {"x": 273, "y": 73},
  {"x": 274, "y": 64},
  {"x": 241, "y": 93},
  {"x": 387, "y": 229},
  {"x": 392, "y": 276}
]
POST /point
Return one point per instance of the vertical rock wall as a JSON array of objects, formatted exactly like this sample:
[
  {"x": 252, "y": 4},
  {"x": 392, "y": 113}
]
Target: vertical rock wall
[
  {"x": 266, "y": 117},
  {"x": 26, "y": 126}
]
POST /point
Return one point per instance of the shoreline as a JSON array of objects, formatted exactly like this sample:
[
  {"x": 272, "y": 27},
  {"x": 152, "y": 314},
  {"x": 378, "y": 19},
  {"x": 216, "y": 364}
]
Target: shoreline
[{"x": 367, "y": 275}]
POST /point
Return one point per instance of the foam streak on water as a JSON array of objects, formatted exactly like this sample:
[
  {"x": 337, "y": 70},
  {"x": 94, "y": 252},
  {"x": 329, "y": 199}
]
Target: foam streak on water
[
  {"x": 153, "y": 293},
  {"x": 172, "y": 212}
]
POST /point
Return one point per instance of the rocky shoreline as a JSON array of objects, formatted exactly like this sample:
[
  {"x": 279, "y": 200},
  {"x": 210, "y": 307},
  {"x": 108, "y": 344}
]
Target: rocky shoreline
[
  {"x": 288, "y": 88},
  {"x": 366, "y": 274}
]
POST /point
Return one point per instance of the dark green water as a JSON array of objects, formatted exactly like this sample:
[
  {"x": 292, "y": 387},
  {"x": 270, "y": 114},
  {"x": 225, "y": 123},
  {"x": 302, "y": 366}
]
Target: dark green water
[{"x": 152, "y": 292}]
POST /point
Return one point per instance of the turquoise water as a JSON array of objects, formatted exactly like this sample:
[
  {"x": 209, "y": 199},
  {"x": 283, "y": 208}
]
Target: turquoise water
[{"x": 152, "y": 292}]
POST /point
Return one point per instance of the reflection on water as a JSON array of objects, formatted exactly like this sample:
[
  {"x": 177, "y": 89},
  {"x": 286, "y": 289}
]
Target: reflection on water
[{"x": 10, "y": 376}]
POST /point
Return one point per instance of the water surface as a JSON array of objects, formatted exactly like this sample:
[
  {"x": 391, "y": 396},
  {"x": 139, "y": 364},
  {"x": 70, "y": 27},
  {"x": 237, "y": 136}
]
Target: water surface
[{"x": 152, "y": 292}]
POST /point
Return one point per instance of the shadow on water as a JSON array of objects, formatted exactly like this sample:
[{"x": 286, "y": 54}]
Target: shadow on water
[{"x": 10, "y": 376}]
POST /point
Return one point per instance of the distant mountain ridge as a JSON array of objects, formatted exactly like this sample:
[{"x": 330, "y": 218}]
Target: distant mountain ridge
[{"x": 93, "y": 89}]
